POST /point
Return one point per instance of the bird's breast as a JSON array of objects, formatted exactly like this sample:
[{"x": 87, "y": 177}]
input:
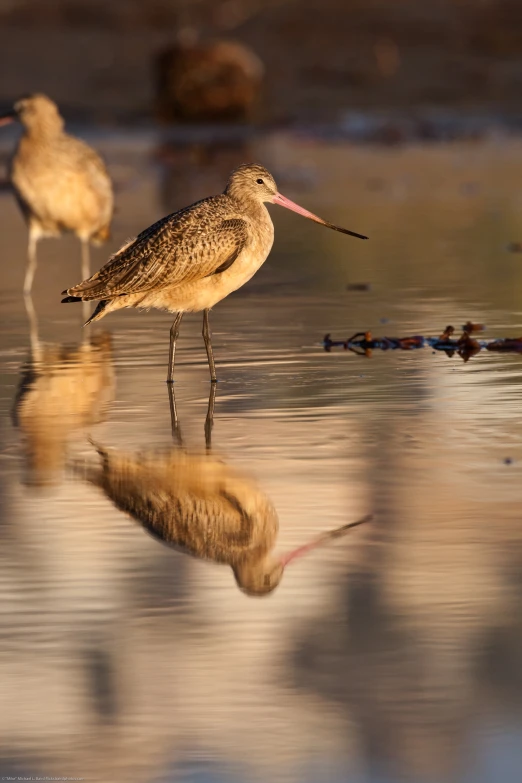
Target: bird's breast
[{"x": 255, "y": 252}]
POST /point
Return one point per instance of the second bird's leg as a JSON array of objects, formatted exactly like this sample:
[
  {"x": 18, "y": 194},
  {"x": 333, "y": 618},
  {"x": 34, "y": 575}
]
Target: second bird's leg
[
  {"x": 207, "y": 336},
  {"x": 86, "y": 259},
  {"x": 174, "y": 334},
  {"x": 33, "y": 328},
  {"x": 86, "y": 273},
  {"x": 31, "y": 262}
]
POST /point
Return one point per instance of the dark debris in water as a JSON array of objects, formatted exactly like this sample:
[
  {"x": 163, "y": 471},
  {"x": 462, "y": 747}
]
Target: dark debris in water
[{"x": 465, "y": 346}]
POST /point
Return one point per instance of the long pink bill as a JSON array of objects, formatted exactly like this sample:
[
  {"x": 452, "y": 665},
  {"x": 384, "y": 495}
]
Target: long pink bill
[
  {"x": 323, "y": 539},
  {"x": 7, "y": 119},
  {"x": 285, "y": 202}
]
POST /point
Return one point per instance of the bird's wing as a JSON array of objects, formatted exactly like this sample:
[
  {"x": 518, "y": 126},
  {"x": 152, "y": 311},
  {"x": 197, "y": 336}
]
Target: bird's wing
[
  {"x": 87, "y": 160},
  {"x": 191, "y": 244}
]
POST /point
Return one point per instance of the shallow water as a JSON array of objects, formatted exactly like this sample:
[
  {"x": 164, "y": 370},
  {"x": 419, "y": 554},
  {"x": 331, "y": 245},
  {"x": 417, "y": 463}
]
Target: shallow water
[{"x": 389, "y": 655}]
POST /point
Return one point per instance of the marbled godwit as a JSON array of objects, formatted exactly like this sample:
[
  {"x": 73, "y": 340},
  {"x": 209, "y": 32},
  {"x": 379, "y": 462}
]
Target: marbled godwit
[
  {"x": 190, "y": 260},
  {"x": 204, "y": 507},
  {"x": 60, "y": 182}
]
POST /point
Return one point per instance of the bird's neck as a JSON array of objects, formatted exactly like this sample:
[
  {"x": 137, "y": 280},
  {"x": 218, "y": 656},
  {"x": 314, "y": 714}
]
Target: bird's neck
[
  {"x": 44, "y": 129},
  {"x": 245, "y": 202}
]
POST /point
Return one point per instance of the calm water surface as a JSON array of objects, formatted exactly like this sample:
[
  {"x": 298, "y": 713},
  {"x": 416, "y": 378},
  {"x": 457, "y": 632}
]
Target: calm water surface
[{"x": 390, "y": 655}]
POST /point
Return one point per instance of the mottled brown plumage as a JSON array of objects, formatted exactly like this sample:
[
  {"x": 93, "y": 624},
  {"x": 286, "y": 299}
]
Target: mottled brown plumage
[
  {"x": 204, "y": 507},
  {"x": 61, "y": 183},
  {"x": 190, "y": 260}
]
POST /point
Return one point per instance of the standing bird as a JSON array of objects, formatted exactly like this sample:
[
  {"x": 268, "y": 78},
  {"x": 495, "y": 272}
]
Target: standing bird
[
  {"x": 201, "y": 505},
  {"x": 60, "y": 183},
  {"x": 190, "y": 260}
]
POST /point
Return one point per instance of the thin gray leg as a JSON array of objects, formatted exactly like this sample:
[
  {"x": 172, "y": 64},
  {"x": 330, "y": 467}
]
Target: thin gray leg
[
  {"x": 209, "y": 421},
  {"x": 174, "y": 334},
  {"x": 207, "y": 336},
  {"x": 31, "y": 262}
]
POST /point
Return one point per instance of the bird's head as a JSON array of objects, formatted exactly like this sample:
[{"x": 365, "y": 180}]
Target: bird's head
[
  {"x": 35, "y": 111},
  {"x": 252, "y": 182},
  {"x": 258, "y": 577},
  {"x": 261, "y": 575}
]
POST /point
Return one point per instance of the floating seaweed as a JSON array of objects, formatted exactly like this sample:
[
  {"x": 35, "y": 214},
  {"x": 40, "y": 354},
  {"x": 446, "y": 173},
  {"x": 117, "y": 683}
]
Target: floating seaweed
[{"x": 465, "y": 346}]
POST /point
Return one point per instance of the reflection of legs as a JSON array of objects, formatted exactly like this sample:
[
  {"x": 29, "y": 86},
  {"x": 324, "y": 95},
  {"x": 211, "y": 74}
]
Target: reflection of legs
[
  {"x": 31, "y": 261},
  {"x": 209, "y": 421},
  {"x": 174, "y": 334},
  {"x": 174, "y": 421},
  {"x": 207, "y": 336}
]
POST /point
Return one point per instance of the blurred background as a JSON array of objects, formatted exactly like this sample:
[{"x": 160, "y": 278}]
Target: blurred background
[
  {"x": 391, "y": 656},
  {"x": 322, "y": 61}
]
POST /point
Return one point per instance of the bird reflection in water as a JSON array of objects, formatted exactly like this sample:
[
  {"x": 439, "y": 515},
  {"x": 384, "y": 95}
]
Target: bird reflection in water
[
  {"x": 63, "y": 388},
  {"x": 204, "y": 507}
]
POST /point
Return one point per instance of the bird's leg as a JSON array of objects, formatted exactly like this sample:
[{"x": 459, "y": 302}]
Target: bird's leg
[
  {"x": 31, "y": 261},
  {"x": 86, "y": 259},
  {"x": 174, "y": 334},
  {"x": 33, "y": 327},
  {"x": 86, "y": 273},
  {"x": 207, "y": 336},
  {"x": 209, "y": 421},
  {"x": 174, "y": 421}
]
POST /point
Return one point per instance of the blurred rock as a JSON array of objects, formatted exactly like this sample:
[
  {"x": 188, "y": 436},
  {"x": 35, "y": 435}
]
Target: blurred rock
[{"x": 213, "y": 81}]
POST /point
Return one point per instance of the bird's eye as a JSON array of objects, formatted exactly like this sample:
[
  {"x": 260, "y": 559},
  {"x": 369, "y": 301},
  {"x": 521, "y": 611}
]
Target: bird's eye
[{"x": 260, "y": 182}]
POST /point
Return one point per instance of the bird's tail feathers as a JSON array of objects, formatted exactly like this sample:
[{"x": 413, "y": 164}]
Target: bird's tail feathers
[{"x": 98, "y": 313}]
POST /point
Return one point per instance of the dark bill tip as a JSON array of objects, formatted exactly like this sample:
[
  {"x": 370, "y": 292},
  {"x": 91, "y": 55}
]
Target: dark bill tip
[{"x": 344, "y": 230}]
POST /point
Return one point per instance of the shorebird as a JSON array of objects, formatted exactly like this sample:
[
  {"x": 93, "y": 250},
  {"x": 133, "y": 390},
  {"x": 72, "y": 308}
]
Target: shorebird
[
  {"x": 205, "y": 508},
  {"x": 61, "y": 184},
  {"x": 190, "y": 260}
]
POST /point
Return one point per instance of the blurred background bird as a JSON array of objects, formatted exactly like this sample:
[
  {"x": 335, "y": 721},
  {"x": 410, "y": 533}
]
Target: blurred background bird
[{"x": 61, "y": 183}]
